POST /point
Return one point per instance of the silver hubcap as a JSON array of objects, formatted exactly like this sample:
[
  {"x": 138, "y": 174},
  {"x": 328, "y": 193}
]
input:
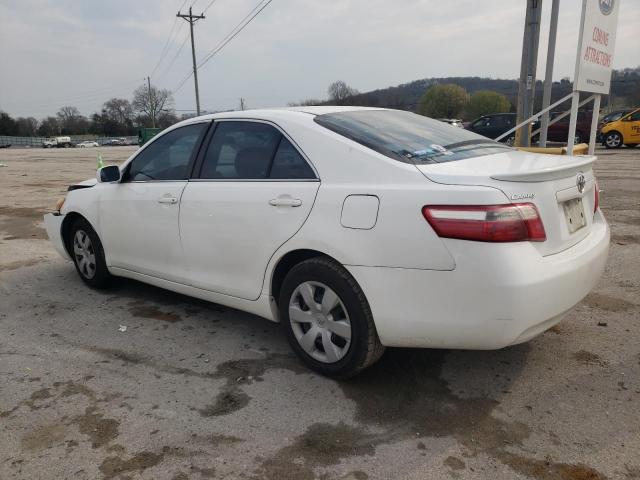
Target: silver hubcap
[
  {"x": 320, "y": 322},
  {"x": 613, "y": 140},
  {"x": 84, "y": 253}
]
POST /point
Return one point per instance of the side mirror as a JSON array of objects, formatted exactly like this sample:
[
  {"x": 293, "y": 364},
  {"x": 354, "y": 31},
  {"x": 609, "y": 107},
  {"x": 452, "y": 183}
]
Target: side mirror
[{"x": 108, "y": 174}]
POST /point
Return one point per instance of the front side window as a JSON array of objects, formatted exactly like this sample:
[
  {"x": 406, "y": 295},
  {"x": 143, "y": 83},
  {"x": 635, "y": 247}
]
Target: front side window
[
  {"x": 408, "y": 137},
  {"x": 634, "y": 117},
  {"x": 244, "y": 150},
  {"x": 168, "y": 157}
]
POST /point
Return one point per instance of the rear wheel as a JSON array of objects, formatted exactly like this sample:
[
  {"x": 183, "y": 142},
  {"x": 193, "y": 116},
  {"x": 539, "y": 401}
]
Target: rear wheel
[
  {"x": 327, "y": 319},
  {"x": 612, "y": 140},
  {"x": 577, "y": 138},
  {"x": 88, "y": 255}
]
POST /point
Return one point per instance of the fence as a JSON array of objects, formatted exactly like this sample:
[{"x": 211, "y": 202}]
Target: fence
[{"x": 37, "y": 141}]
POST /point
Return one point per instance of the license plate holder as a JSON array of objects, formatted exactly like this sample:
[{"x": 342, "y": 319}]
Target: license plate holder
[{"x": 574, "y": 214}]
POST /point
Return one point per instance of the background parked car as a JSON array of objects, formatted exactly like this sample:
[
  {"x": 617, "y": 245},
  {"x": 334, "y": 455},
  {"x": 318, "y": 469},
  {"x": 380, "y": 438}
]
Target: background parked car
[
  {"x": 608, "y": 118},
  {"x": 624, "y": 131},
  {"x": 494, "y": 125},
  {"x": 115, "y": 142},
  {"x": 559, "y": 131},
  {"x": 456, "y": 122},
  {"x": 87, "y": 144}
]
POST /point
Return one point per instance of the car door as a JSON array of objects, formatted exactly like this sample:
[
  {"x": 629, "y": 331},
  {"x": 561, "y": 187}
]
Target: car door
[
  {"x": 631, "y": 128},
  {"x": 139, "y": 215},
  {"x": 481, "y": 126},
  {"x": 252, "y": 192}
]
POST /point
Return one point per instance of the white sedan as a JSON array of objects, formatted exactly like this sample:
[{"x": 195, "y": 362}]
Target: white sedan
[
  {"x": 354, "y": 228},
  {"x": 87, "y": 144}
]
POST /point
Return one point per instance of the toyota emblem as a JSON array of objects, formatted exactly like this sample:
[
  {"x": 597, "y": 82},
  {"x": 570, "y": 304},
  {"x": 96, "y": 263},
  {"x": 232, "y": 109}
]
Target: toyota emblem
[{"x": 581, "y": 182}]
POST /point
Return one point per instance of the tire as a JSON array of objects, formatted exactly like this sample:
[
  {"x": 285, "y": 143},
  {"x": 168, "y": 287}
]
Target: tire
[
  {"x": 613, "y": 140},
  {"x": 577, "y": 138},
  {"x": 316, "y": 278},
  {"x": 510, "y": 141},
  {"x": 88, "y": 255}
]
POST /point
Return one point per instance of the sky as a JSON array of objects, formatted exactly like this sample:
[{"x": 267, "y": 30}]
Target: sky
[{"x": 83, "y": 52}]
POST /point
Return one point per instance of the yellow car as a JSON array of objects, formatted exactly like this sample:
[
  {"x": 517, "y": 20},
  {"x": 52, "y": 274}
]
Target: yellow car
[{"x": 624, "y": 131}]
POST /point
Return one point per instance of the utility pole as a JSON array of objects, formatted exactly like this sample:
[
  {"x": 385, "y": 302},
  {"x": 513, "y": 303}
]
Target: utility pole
[
  {"x": 152, "y": 107},
  {"x": 242, "y": 104},
  {"x": 527, "y": 82},
  {"x": 193, "y": 19},
  {"x": 548, "y": 74}
]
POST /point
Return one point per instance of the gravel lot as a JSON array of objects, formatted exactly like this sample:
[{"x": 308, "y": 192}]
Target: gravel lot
[{"x": 194, "y": 390}]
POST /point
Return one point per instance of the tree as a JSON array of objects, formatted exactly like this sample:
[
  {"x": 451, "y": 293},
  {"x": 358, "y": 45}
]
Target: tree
[
  {"x": 118, "y": 110},
  {"x": 8, "y": 125},
  {"x": 306, "y": 103},
  {"x": 49, "y": 127},
  {"x": 149, "y": 103},
  {"x": 443, "y": 101},
  {"x": 339, "y": 92},
  {"x": 27, "y": 127},
  {"x": 484, "y": 102},
  {"x": 71, "y": 121}
]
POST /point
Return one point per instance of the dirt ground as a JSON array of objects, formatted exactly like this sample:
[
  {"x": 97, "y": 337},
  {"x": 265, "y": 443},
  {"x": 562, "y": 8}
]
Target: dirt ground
[{"x": 193, "y": 390}]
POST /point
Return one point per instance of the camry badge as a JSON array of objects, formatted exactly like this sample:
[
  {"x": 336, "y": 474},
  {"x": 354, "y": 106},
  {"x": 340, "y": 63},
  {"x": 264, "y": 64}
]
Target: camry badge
[{"x": 580, "y": 182}]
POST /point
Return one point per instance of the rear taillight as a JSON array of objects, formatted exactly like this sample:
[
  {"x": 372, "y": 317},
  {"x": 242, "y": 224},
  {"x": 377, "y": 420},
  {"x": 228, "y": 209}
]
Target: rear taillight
[
  {"x": 596, "y": 198},
  {"x": 514, "y": 222}
]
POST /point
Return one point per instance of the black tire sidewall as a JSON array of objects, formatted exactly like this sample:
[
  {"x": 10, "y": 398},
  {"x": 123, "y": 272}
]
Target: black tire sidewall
[
  {"x": 102, "y": 277},
  {"x": 352, "y": 299}
]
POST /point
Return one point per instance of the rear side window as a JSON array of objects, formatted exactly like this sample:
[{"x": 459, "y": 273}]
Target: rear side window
[
  {"x": 409, "y": 137},
  {"x": 168, "y": 157},
  {"x": 288, "y": 163},
  {"x": 244, "y": 150}
]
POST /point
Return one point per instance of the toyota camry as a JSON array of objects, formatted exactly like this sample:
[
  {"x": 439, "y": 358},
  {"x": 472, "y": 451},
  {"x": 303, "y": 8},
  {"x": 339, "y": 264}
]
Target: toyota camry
[{"x": 355, "y": 228}]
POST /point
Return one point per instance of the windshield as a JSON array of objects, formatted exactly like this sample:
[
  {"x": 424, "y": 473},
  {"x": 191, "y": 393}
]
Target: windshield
[{"x": 409, "y": 137}]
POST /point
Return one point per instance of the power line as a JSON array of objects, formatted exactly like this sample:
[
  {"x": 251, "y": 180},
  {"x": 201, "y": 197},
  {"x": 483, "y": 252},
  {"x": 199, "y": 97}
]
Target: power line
[
  {"x": 235, "y": 32},
  {"x": 165, "y": 48},
  {"x": 175, "y": 57},
  {"x": 208, "y": 6}
]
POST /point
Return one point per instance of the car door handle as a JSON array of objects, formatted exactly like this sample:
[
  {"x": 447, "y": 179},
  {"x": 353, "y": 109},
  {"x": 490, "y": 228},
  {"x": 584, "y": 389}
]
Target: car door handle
[
  {"x": 168, "y": 199},
  {"x": 285, "y": 202}
]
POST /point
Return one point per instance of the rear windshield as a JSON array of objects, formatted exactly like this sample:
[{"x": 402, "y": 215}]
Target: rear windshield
[{"x": 409, "y": 137}]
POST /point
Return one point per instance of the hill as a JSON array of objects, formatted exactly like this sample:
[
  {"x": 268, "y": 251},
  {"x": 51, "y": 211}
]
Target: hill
[{"x": 625, "y": 91}]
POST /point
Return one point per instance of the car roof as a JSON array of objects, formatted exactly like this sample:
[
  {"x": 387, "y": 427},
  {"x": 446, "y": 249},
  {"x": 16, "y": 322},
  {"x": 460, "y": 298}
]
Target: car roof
[{"x": 284, "y": 111}]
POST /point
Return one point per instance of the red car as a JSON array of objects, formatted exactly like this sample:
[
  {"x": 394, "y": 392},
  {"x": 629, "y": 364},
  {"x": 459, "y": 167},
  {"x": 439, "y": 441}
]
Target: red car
[{"x": 559, "y": 131}]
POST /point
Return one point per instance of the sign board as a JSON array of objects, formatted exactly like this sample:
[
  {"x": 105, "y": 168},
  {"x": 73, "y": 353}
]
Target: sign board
[{"x": 596, "y": 45}]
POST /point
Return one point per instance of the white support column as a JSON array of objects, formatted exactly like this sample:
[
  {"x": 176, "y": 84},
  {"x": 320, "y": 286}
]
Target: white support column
[
  {"x": 575, "y": 100},
  {"x": 594, "y": 124}
]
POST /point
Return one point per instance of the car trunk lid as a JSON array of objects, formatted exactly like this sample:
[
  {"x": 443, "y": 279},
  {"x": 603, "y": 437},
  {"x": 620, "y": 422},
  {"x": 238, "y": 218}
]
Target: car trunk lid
[{"x": 553, "y": 183}]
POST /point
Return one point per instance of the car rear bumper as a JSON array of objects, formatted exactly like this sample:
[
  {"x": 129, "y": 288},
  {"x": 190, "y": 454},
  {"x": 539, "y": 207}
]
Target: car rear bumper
[
  {"x": 498, "y": 294},
  {"x": 53, "y": 225}
]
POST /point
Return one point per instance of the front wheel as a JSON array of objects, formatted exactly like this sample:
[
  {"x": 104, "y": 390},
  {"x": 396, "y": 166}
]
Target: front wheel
[
  {"x": 327, "y": 319},
  {"x": 613, "y": 140},
  {"x": 88, "y": 255}
]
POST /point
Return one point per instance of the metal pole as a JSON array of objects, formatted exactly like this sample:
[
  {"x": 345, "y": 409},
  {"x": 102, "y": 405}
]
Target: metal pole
[
  {"x": 152, "y": 107},
  {"x": 195, "y": 70},
  {"x": 191, "y": 18},
  {"x": 548, "y": 77},
  {"x": 575, "y": 100},
  {"x": 527, "y": 82},
  {"x": 576, "y": 94},
  {"x": 594, "y": 124}
]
